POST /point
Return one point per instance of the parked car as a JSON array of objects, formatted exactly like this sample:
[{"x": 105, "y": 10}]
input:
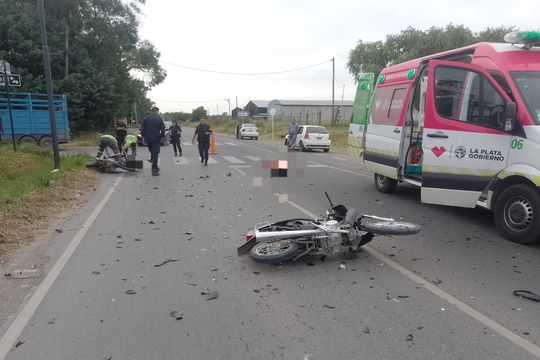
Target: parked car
[
  {"x": 164, "y": 141},
  {"x": 247, "y": 131},
  {"x": 311, "y": 137}
]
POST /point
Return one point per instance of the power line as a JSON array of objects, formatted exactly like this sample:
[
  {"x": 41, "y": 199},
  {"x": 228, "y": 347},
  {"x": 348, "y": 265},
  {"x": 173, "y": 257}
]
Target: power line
[{"x": 246, "y": 74}]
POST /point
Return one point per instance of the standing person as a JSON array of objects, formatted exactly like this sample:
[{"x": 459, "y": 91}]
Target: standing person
[
  {"x": 176, "y": 133},
  {"x": 152, "y": 130},
  {"x": 293, "y": 131},
  {"x": 120, "y": 130},
  {"x": 203, "y": 133}
]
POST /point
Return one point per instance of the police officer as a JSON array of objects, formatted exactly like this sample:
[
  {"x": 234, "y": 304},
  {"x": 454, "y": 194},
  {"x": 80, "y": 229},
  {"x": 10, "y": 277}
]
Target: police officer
[
  {"x": 176, "y": 133},
  {"x": 203, "y": 133},
  {"x": 152, "y": 130}
]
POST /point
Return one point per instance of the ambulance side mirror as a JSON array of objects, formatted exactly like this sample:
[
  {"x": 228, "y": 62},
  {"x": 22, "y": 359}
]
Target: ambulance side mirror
[{"x": 510, "y": 116}]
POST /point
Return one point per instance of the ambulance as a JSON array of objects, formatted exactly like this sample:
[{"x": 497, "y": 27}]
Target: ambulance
[{"x": 464, "y": 126}]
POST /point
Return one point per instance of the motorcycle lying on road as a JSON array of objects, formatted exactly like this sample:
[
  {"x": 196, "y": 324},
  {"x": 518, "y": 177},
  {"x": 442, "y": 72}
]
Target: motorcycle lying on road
[
  {"x": 338, "y": 232},
  {"x": 106, "y": 164}
]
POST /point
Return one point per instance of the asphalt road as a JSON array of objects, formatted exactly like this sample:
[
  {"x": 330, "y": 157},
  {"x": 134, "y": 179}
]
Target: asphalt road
[{"x": 445, "y": 293}]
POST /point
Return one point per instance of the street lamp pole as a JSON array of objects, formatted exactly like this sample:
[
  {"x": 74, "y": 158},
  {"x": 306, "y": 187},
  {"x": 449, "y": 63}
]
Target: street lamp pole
[
  {"x": 48, "y": 79},
  {"x": 229, "y": 101}
]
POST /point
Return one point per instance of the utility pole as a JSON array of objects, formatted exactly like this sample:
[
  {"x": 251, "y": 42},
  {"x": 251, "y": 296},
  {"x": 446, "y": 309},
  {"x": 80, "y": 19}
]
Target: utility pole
[
  {"x": 342, "y": 95},
  {"x": 135, "y": 112},
  {"x": 236, "y": 101},
  {"x": 67, "y": 53},
  {"x": 229, "y": 101},
  {"x": 48, "y": 79},
  {"x": 333, "y": 86}
]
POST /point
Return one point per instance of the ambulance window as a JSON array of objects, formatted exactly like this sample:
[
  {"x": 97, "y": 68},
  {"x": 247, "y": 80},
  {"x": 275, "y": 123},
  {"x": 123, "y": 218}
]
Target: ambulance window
[
  {"x": 387, "y": 105},
  {"x": 467, "y": 96}
]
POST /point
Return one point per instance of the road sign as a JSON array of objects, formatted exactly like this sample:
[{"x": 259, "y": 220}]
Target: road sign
[
  {"x": 243, "y": 114},
  {"x": 272, "y": 111},
  {"x": 13, "y": 80},
  {"x": 5, "y": 67}
]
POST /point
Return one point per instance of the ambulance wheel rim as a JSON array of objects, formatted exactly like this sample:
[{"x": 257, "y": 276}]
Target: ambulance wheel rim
[
  {"x": 381, "y": 180},
  {"x": 518, "y": 214}
]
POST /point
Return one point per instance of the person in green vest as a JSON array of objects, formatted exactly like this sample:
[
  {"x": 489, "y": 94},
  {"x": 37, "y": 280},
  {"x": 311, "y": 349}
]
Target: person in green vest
[
  {"x": 109, "y": 141},
  {"x": 130, "y": 142}
]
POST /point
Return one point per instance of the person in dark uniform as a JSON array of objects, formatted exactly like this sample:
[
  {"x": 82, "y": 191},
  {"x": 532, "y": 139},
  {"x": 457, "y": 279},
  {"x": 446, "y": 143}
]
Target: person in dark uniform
[
  {"x": 176, "y": 133},
  {"x": 203, "y": 133},
  {"x": 1, "y": 128},
  {"x": 121, "y": 132},
  {"x": 152, "y": 130}
]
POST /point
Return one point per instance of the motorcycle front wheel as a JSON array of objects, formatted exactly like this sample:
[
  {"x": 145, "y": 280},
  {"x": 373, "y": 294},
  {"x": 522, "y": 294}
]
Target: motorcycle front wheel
[
  {"x": 391, "y": 228},
  {"x": 274, "y": 252}
]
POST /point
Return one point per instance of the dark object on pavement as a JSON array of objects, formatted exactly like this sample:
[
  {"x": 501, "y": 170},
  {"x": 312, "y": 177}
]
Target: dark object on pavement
[
  {"x": 329, "y": 306},
  {"x": 210, "y": 294},
  {"x": 529, "y": 295},
  {"x": 19, "y": 343},
  {"x": 177, "y": 316},
  {"x": 409, "y": 337},
  {"x": 165, "y": 262},
  {"x": 131, "y": 292}
]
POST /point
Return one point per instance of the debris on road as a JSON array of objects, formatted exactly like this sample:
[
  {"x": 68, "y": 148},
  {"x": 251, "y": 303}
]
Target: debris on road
[
  {"x": 526, "y": 294},
  {"x": 192, "y": 284},
  {"x": 118, "y": 236},
  {"x": 437, "y": 281},
  {"x": 95, "y": 272},
  {"x": 228, "y": 174},
  {"x": 210, "y": 294},
  {"x": 59, "y": 231},
  {"x": 52, "y": 321},
  {"x": 342, "y": 266},
  {"x": 166, "y": 262},
  {"x": 409, "y": 337},
  {"x": 177, "y": 316},
  {"x": 23, "y": 274},
  {"x": 137, "y": 239},
  {"x": 151, "y": 222},
  {"x": 131, "y": 292},
  {"x": 366, "y": 330},
  {"x": 189, "y": 232},
  {"x": 19, "y": 343},
  {"x": 329, "y": 306}
]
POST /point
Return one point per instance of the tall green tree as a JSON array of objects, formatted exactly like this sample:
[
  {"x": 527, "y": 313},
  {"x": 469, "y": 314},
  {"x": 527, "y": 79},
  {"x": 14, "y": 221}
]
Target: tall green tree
[
  {"x": 97, "y": 56},
  {"x": 413, "y": 43},
  {"x": 198, "y": 113}
]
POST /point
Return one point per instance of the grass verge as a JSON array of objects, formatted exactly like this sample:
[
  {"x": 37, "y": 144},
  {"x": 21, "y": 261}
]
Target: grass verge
[{"x": 30, "y": 193}]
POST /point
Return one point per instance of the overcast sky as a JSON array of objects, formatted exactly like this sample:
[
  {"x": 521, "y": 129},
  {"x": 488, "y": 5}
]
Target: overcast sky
[{"x": 275, "y": 35}]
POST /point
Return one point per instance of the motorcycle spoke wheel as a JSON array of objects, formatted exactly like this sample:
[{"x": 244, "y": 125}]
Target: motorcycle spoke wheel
[{"x": 274, "y": 252}]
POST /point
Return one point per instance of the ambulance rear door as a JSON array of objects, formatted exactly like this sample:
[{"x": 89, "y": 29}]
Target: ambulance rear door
[{"x": 464, "y": 142}]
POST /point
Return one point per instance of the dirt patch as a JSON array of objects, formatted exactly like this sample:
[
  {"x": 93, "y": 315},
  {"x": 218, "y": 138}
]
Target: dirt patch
[{"x": 26, "y": 219}]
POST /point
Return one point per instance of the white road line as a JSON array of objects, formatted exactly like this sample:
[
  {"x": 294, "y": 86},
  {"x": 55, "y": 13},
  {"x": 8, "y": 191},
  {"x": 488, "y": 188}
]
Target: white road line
[
  {"x": 315, "y": 165},
  {"x": 233, "y": 160},
  {"x": 232, "y": 144},
  {"x": 343, "y": 170},
  {"x": 15, "y": 329},
  {"x": 212, "y": 160},
  {"x": 254, "y": 158},
  {"x": 237, "y": 169},
  {"x": 475, "y": 314},
  {"x": 181, "y": 161},
  {"x": 187, "y": 143}
]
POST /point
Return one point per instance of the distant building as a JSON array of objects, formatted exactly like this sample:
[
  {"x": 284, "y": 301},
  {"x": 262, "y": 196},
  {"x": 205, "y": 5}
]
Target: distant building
[
  {"x": 311, "y": 111},
  {"x": 257, "y": 108},
  {"x": 234, "y": 112}
]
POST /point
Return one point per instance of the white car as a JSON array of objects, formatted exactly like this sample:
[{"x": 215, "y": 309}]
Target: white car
[
  {"x": 247, "y": 131},
  {"x": 311, "y": 137}
]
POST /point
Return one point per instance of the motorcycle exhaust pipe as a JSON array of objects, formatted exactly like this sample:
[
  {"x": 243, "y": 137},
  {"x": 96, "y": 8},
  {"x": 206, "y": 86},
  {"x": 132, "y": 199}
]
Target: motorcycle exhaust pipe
[{"x": 280, "y": 235}]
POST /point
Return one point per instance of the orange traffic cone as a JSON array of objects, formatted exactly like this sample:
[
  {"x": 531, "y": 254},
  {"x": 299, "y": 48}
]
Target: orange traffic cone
[{"x": 212, "y": 145}]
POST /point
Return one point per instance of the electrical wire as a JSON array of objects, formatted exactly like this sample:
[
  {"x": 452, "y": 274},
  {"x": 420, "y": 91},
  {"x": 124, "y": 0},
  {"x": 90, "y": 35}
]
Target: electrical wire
[
  {"x": 191, "y": 101},
  {"x": 247, "y": 73}
]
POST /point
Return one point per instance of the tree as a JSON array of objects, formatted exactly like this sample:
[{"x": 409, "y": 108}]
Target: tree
[
  {"x": 97, "y": 57},
  {"x": 412, "y": 43},
  {"x": 198, "y": 113}
]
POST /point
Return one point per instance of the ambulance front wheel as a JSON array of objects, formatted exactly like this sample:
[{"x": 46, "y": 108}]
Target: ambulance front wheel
[
  {"x": 517, "y": 214},
  {"x": 385, "y": 184}
]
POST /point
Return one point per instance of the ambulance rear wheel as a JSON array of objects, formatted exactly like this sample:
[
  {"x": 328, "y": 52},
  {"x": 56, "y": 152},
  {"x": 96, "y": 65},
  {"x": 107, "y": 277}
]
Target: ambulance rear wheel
[
  {"x": 517, "y": 214},
  {"x": 385, "y": 184}
]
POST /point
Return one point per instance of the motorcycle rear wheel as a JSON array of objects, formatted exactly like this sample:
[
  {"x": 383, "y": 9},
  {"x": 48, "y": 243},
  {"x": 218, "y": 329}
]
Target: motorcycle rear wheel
[
  {"x": 274, "y": 252},
  {"x": 391, "y": 228}
]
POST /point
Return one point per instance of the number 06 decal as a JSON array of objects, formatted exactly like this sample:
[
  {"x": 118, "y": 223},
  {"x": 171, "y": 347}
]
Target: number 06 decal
[{"x": 517, "y": 144}]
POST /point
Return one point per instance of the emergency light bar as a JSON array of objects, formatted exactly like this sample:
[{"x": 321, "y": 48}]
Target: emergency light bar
[{"x": 528, "y": 38}]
